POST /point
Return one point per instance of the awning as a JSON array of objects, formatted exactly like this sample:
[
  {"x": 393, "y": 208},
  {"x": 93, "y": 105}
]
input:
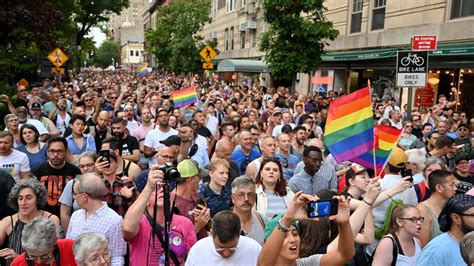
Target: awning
[
  {"x": 458, "y": 49},
  {"x": 242, "y": 65}
]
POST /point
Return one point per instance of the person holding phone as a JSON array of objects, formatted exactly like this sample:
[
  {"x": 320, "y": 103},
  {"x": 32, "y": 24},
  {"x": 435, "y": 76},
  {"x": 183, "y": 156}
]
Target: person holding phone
[{"x": 283, "y": 240}]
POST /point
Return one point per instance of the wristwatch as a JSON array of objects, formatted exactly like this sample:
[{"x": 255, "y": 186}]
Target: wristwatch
[{"x": 283, "y": 227}]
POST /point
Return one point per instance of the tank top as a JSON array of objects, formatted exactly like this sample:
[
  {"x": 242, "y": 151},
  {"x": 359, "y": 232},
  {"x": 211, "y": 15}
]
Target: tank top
[
  {"x": 435, "y": 231},
  {"x": 126, "y": 168},
  {"x": 403, "y": 260}
]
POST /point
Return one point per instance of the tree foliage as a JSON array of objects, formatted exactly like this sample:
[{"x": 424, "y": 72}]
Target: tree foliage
[
  {"x": 105, "y": 53},
  {"x": 174, "y": 42},
  {"x": 297, "y": 35}
]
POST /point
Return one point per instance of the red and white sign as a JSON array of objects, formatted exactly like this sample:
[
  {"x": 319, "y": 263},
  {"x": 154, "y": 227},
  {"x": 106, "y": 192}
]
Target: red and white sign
[{"x": 424, "y": 43}]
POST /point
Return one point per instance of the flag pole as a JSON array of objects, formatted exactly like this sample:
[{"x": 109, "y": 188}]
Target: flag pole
[{"x": 373, "y": 145}]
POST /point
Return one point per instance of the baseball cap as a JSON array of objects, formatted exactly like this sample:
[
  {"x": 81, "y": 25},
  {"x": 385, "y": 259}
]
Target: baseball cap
[
  {"x": 286, "y": 128},
  {"x": 276, "y": 111},
  {"x": 35, "y": 106},
  {"x": 398, "y": 158},
  {"x": 202, "y": 172},
  {"x": 171, "y": 140},
  {"x": 354, "y": 169},
  {"x": 187, "y": 168}
]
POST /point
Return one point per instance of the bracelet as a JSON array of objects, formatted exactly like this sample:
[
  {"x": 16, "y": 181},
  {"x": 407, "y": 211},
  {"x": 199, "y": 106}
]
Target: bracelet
[
  {"x": 283, "y": 227},
  {"x": 370, "y": 204},
  {"x": 389, "y": 195}
]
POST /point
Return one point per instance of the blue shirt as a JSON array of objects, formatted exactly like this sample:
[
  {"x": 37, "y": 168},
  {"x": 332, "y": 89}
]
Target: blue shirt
[
  {"x": 88, "y": 144},
  {"x": 288, "y": 163},
  {"x": 325, "y": 178},
  {"x": 242, "y": 160},
  {"x": 36, "y": 159},
  {"x": 441, "y": 250},
  {"x": 216, "y": 202}
]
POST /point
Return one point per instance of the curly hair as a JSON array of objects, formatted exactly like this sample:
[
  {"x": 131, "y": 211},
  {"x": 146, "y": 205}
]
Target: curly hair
[{"x": 35, "y": 185}]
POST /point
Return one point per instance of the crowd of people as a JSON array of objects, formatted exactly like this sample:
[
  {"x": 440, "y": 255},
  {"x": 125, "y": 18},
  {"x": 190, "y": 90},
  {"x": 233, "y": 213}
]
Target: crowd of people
[{"x": 85, "y": 164}]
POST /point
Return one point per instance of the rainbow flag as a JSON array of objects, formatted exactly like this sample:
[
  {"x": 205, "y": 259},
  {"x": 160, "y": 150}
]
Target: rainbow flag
[
  {"x": 349, "y": 126},
  {"x": 184, "y": 97},
  {"x": 143, "y": 71},
  {"x": 385, "y": 139}
]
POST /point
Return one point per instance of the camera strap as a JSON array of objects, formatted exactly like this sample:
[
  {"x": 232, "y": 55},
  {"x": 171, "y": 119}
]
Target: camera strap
[{"x": 157, "y": 233}]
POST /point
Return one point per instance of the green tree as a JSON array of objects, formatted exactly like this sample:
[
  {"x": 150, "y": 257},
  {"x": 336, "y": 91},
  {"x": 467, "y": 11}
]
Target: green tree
[
  {"x": 175, "y": 42},
  {"x": 105, "y": 53},
  {"x": 297, "y": 35}
]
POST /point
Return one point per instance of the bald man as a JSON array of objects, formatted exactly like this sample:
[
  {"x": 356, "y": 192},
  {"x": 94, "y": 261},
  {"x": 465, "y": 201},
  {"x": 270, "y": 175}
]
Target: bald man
[{"x": 102, "y": 129}]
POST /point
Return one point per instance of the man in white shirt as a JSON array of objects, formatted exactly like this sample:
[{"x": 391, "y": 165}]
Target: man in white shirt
[
  {"x": 12, "y": 162},
  {"x": 225, "y": 246},
  {"x": 161, "y": 132}
]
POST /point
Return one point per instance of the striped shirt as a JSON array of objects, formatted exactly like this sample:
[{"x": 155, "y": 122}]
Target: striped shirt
[{"x": 276, "y": 205}]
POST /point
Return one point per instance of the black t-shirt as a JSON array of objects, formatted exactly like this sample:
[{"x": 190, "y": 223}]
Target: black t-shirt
[
  {"x": 55, "y": 180},
  {"x": 205, "y": 132},
  {"x": 465, "y": 182},
  {"x": 417, "y": 132},
  {"x": 129, "y": 144},
  {"x": 6, "y": 184},
  {"x": 20, "y": 102}
]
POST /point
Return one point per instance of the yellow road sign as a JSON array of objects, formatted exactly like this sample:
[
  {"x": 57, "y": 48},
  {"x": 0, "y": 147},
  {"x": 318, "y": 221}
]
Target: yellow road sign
[
  {"x": 207, "y": 53},
  {"x": 57, "y": 70},
  {"x": 58, "y": 57},
  {"x": 208, "y": 66}
]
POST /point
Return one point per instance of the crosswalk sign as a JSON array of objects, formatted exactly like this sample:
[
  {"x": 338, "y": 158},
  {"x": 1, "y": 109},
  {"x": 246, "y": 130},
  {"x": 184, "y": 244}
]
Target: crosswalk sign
[
  {"x": 207, "y": 53},
  {"x": 58, "y": 57}
]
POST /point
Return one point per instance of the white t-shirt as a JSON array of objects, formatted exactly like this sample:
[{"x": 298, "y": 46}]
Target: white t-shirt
[
  {"x": 204, "y": 253},
  {"x": 153, "y": 138},
  {"x": 202, "y": 142},
  {"x": 14, "y": 163},
  {"x": 212, "y": 125}
]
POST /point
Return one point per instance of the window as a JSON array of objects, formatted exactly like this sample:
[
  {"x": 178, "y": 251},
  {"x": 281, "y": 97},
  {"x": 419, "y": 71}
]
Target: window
[
  {"x": 242, "y": 40},
  {"x": 231, "y": 38},
  {"x": 230, "y": 5},
  {"x": 254, "y": 38},
  {"x": 131, "y": 52},
  {"x": 378, "y": 15},
  {"x": 356, "y": 17},
  {"x": 462, "y": 8},
  {"x": 136, "y": 53},
  {"x": 215, "y": 4},
  {"x": 226, "y": 40},
  {"x": 243, "y": 3}
]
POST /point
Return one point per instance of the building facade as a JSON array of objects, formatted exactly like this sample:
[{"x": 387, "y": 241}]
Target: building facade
[
  {"x": 131, "y": 54},
  {"x": 128, "y": 25}
]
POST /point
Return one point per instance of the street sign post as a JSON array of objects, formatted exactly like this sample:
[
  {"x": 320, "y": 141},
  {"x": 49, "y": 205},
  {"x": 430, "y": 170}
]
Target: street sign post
[
  {"x": 412, "y": 67},
  {"x": 207, "y": 53},
  {"x": 57, "y": 71},
  {"x": 58, "y": 57},
  {"x": 423, "y": 43}
]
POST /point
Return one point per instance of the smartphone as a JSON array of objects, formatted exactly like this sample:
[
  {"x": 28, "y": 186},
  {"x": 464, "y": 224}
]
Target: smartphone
[
  {"x": 99, "y": 91},
  {"x": 105, "y": 155},
  {"x": 407, "y": 172},
  {"x": 321, "y": 208}
]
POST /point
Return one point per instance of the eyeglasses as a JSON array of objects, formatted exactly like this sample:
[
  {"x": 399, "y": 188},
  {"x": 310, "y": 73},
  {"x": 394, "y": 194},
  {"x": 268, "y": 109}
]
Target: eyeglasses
[
  {"x": 89, "y": 165},
  {"x": 250, "y": 195},
  {"x": 244, "y": 164},
  {"x": 415, "y": 219},
  {"x": 463, "y": 129},
  {"x": 466, "y": 214},
  {"x": 416, "y": 120},
  {"x": 285, "y": 162},
  {"x": 166, "y": 157},
  {"x": 56, "y": 151},
  {"x": 111, "y": 97},
  {"x": 96, "y": 259},
  {"x": 22, "y": 90},
  {"x": 88, "y": 100},
  {"x": 46, "y": 257}
]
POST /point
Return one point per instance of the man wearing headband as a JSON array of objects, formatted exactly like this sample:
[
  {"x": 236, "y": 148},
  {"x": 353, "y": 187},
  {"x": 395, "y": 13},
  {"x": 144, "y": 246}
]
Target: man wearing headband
[{"x": 456, "y": 219}]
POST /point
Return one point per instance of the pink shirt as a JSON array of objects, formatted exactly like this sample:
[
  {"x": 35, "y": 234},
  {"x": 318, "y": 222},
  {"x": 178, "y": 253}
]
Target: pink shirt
[
  {"x": 140, "y": 133},
  {"x": 182, "y": 238}
]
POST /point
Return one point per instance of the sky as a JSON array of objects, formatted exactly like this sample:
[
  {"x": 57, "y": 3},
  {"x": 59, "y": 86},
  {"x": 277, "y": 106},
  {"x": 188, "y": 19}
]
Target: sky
[{"x": 98, "y": 36}]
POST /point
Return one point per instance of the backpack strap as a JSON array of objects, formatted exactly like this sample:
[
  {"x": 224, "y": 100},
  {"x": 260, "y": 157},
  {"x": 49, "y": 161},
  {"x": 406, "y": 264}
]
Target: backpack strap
[{"x": 260, "y": 219}]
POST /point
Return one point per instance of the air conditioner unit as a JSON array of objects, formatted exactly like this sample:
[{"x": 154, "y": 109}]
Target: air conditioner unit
[
  {"x": 214, "y": 35},
  {"x": 243, "y": 26},
  {"x": 252, "y": 25}
]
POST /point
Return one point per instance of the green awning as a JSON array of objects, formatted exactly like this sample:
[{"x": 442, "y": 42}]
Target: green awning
[
  {"x": 458, "y": 49},
  {"x": 242, "y": 65}
]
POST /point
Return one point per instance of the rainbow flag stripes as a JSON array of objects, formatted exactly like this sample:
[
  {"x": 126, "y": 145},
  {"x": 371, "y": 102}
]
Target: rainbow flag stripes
[
  {"x": 143, "y": 71},
  {"x": 184, "y": 97},
  {"x": 386, "y": 138},
  {"x": 349, "y": 126}
]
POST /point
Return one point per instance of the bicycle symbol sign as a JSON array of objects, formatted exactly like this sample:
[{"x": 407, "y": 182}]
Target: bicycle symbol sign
[{"x": 411, "y": 68}]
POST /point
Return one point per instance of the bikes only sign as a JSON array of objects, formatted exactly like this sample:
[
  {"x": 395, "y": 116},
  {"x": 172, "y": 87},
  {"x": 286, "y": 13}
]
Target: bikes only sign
[{"x": 412, "y": 67}]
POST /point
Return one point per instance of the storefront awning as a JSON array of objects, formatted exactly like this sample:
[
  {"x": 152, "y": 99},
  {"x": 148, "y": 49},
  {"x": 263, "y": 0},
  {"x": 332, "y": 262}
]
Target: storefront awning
[
  {"x": 459, "y": 49},
  {"x": 242, "y": 65}
]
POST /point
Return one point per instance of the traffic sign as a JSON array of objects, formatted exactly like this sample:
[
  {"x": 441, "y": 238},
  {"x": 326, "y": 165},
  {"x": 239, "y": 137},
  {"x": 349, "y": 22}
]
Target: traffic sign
[
  {"x": 207, "y": 53},
  {"x": 57, "y": 70},
  {"x": 58, "y": 57},
  {"x": 423, "y": 42},
  {"x": 411, "y": 68},
  {"x": 208, "y": 66}
]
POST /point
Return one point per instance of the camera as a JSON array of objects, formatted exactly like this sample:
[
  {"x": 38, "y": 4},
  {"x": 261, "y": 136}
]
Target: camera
[{"x": 170, "y": 172}]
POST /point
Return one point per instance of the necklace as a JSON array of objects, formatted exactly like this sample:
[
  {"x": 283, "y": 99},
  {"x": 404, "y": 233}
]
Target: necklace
[{"x": 452, "y": 237}]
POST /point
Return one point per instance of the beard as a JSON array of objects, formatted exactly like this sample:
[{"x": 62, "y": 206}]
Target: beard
[
  {"x": 465, "y": 228},
  {"x": 118, "y": 134}
]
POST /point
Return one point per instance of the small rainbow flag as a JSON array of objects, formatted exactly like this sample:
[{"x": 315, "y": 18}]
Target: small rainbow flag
[
  {"x": 184, "y": 97},
  {"x": 349, "y": 126},
  {"x": 143, "y": 71},
  {"x": 385, "y": 138}
]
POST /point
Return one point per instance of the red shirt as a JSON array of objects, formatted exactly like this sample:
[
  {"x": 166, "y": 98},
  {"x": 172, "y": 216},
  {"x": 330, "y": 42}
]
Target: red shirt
[{"x": 65, "y": 255}]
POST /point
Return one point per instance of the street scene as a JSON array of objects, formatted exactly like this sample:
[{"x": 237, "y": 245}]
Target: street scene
[{"x": 237, "y": 132}]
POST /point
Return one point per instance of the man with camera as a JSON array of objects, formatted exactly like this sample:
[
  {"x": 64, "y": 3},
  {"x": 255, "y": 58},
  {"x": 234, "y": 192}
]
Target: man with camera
[{"x": 146, "y": 248}]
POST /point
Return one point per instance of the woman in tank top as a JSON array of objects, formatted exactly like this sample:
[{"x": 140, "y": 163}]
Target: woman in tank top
[
  {"x": 28, "y": 197},
  {"x": 403, "y": 231}
]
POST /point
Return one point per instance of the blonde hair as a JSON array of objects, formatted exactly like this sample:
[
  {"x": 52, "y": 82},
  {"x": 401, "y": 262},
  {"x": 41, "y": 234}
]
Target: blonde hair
[{"x": 216, "y": 162}]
